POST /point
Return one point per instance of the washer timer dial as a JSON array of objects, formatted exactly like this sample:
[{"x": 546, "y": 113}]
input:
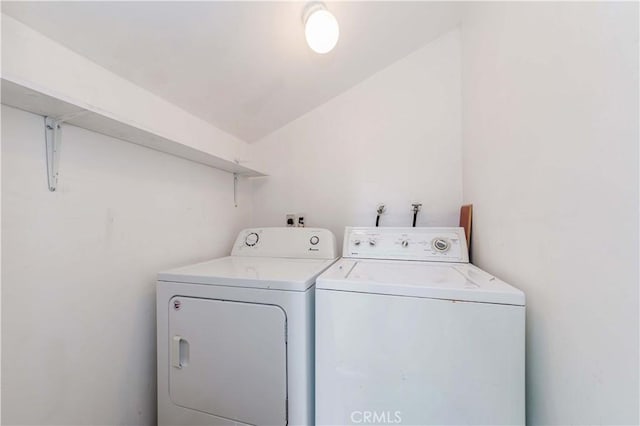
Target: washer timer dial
[
  {"x": 440, "y": 244},
  {"x": 314, "y": 240},
  {"x": 251, "y": 239}
]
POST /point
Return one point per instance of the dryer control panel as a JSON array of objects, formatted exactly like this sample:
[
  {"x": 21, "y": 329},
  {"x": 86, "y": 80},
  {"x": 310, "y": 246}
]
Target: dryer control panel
[
  {"x": 298, "y": 243},
  {"x": 425, "y": 244}
]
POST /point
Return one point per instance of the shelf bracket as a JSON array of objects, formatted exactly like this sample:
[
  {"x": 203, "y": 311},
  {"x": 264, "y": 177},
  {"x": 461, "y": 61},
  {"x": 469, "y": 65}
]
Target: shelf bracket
[
  {"x": 235, "y": 189},
  {"x": 53, "y": 140},
  {"x": 52, "y": 133}
]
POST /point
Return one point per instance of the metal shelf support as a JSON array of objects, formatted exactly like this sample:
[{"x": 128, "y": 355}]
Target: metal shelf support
[
  {"x": 53, "y": 141},
  {"x": 235, "y": 189},
  {"x": 52, "y": 133}
]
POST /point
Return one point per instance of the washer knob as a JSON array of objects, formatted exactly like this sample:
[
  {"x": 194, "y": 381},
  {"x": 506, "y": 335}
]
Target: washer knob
[
  {"x": 440, "y": 244},
  {"x": 405, "y": 243},
  {"x": 356, "y": 242},
  {"x": 251, "y": 239},
  {"x": 314, "y": 240},
  {"x": 372, "y": 242}
]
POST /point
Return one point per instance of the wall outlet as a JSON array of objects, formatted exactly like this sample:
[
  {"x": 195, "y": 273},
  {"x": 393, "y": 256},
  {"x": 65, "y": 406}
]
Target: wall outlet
[{"x": 296, "y": 220}]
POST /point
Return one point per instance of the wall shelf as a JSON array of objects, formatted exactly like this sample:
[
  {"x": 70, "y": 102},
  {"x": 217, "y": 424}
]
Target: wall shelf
[{"x": 22, "y": 96}]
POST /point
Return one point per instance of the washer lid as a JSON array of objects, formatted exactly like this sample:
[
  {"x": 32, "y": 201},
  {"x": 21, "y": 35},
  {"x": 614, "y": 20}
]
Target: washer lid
[
  {"x": 449, "y": 281},
  {"x": 251, "y": 272}
]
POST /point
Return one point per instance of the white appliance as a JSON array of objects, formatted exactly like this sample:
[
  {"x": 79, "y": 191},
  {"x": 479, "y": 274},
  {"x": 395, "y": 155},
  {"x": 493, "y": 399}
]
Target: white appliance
[
  {"x": 408, "y": 332},
  {"x": 235, "y": 334}
]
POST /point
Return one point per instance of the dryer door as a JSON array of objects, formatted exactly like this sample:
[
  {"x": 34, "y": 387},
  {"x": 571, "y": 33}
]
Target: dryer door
[{"x": 229, "y": 359}]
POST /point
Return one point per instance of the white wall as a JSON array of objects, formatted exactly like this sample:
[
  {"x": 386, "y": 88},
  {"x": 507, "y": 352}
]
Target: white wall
[
  {"x": 79, "y": 267},
  {"x": 550, "y": 131},
  {"x": 393, "y": 138},
  {"x": 0, "y": 253}
]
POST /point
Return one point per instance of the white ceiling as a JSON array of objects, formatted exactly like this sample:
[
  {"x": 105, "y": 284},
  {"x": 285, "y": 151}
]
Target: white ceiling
[{"x": 242, "y": 66}]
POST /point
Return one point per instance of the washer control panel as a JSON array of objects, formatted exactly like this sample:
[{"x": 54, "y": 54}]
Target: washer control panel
[
  {"x": 301, "y": 243},
  {"x": 426, "y": 244}
]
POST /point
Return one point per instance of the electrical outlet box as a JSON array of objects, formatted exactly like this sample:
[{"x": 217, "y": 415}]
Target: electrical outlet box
[{"x": 292, "y": 220}]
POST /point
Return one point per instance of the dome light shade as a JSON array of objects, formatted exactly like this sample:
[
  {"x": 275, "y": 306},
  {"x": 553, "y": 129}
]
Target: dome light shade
[{"x": 320, "y": 28}]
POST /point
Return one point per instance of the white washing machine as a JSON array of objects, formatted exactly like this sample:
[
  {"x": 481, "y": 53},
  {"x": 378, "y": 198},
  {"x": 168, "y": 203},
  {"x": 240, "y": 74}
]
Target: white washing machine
[
  {"x": 235, "y": 334},
  {"x": 408, "y": 332}
]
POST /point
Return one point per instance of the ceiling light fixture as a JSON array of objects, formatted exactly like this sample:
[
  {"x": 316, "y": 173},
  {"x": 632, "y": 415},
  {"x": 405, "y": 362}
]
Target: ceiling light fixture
[{"x": 320, "y": 28}]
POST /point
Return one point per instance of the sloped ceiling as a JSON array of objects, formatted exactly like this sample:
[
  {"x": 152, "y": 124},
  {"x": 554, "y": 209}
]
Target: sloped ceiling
[{"x": 242, "y": 66}]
